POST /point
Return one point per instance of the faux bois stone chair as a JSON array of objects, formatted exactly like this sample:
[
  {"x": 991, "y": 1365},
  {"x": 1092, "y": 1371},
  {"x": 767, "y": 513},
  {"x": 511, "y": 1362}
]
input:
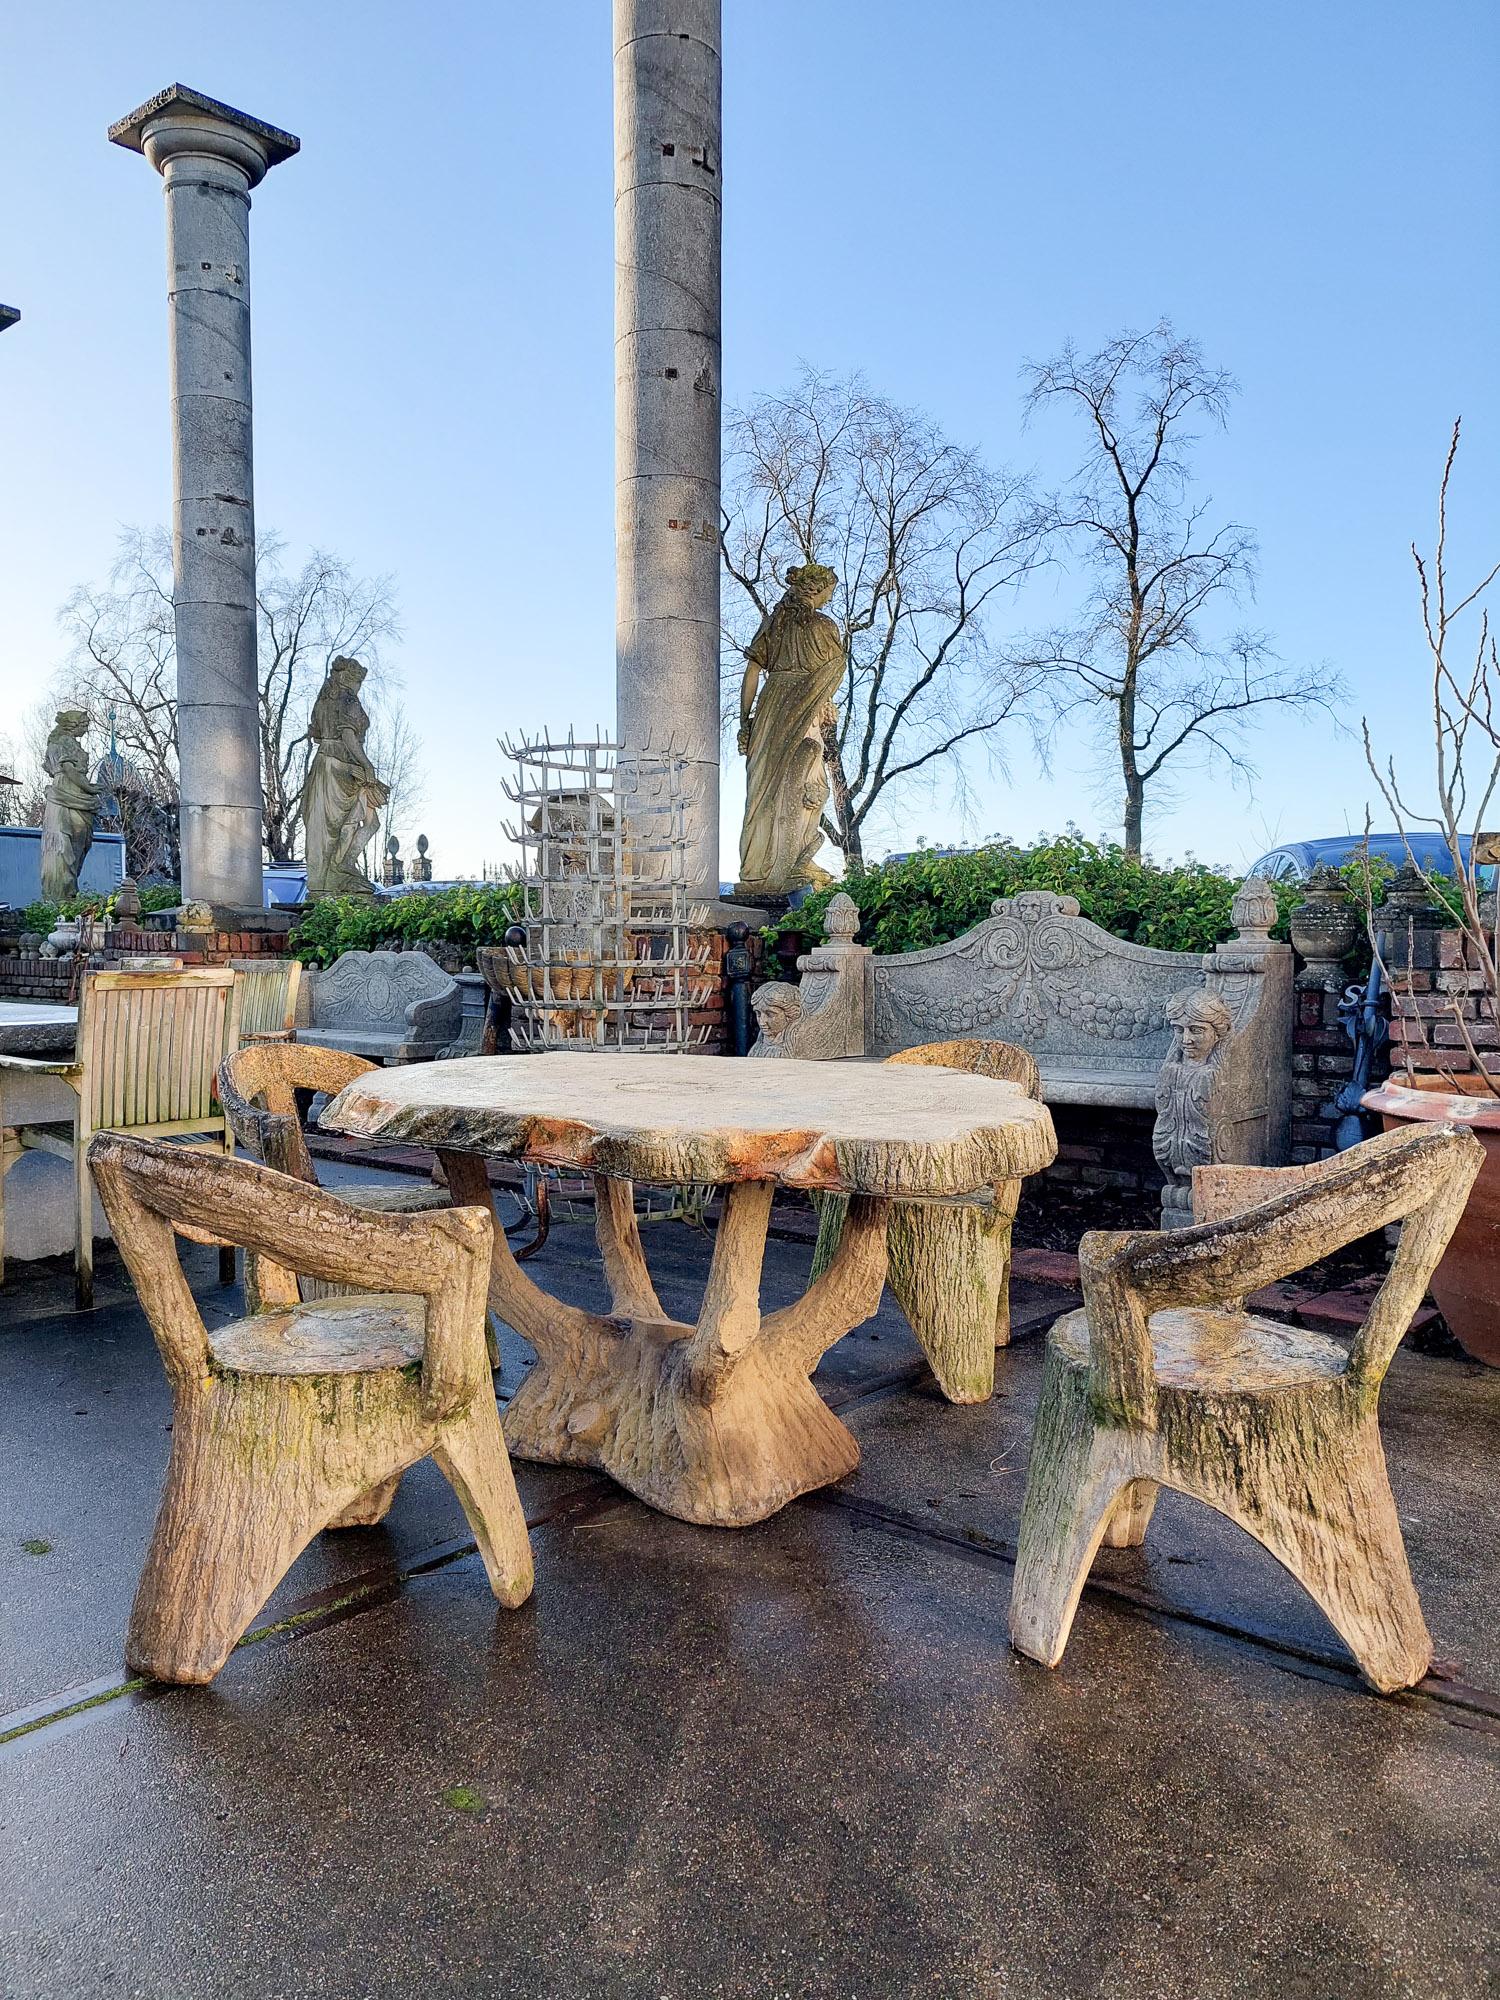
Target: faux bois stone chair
[
  {"x": 258, "y": 1089},
  {"x": 1165, "y": 1379},
  {"x": 300, "y": 1416}
]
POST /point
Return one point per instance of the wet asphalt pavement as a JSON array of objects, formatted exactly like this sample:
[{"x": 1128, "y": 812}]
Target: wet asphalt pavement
[{"x": 793, "y": 1760}]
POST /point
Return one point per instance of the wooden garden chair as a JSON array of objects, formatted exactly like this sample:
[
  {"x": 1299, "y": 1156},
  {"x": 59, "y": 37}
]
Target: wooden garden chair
[
  {"x": 301, "y": 1416},
  {"x": 1164, "y": 1379},
  {"x": 148, "y": 1048},
  {"x": 950, "y": 1267},
  {"x": 268, "y": 998},
  {"x": 258, "y": 1088}
]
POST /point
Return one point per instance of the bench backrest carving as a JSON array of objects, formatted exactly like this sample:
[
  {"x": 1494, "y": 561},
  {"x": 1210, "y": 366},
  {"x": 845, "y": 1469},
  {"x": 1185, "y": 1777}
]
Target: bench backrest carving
[
  {"x": 1035, "y": 973},
  {"x": 376, "y": 989}
]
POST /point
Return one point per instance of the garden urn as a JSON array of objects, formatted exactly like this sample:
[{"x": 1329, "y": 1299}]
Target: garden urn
[{"x": 1323, "y": 927}]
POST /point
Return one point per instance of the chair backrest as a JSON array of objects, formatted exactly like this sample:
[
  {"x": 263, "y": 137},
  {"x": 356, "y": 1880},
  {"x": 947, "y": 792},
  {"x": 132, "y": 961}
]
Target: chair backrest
[
  {"x": 258, "y": 1088},
  {"x": 268, "y": 996},
  {"x": 1419, "y": 1178},
  {"x": 153, "y": 1193},
  {"x": 149, "y": 1048},
  {"x": 980, "y": 1058}
]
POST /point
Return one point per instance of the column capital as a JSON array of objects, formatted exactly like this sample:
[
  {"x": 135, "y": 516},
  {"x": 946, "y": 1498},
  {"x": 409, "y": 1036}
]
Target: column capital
[{"x": 179, "y": 122}]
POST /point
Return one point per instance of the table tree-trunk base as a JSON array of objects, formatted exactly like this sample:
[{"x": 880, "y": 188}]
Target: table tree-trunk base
[{"x": 716, "y": 1423}]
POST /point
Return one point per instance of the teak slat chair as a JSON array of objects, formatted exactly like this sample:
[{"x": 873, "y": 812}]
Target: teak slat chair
[
  {"x": 268, "y": 998},
  {"x": 258, "y": 1088},
  {"x": 147, "y": 1053},
  {"x": 300, "y": 1417},
  {"x": 1164, "y": 1379},
  {"x": 950, "y": 1267}
]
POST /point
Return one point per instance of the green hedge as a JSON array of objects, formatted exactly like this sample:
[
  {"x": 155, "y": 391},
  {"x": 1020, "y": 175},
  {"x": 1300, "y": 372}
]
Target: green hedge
[
  {"x": 930, "y": 898},
  {"x": 42, "y": 916},
  {"x": 465, "y": 916}
]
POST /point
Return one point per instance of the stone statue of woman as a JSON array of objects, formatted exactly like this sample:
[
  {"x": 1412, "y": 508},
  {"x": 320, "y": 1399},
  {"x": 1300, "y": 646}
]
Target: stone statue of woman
[
  {"x": 72, "y": 801},
  {"x": 794, "y": 664},
  {"x": 1183, "y": 1135},
  {"x": 343, "y": 796}
]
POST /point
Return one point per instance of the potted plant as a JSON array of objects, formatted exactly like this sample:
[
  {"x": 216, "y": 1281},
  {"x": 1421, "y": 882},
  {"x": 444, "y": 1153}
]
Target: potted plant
[{"x": 1458, "y": 1077}]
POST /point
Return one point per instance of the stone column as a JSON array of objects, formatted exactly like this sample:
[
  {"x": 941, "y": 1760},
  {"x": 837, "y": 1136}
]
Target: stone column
[
  {"x": 667, "y": 388},
  {"x": 209, "y": 157}
]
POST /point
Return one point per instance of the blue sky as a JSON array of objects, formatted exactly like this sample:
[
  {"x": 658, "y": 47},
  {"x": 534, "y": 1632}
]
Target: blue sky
[{"x": 929, "y": 194}]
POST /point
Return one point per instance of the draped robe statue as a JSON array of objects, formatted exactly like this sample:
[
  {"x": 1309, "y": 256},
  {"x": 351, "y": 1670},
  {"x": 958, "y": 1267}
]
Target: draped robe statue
[
  {"x": 343, "y": 797},
  {"x": 1183, "y": 1135},
  {"x": 72, "y": 802},
  {"x": 794, "y": 664}
]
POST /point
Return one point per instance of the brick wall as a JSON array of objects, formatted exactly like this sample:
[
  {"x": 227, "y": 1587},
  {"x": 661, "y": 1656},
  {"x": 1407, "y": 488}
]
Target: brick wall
[{"x": 1441, "y": 1009}]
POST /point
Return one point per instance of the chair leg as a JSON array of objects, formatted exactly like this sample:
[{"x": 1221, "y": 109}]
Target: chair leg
[
  {"x": 1072, "y": 1488},
  {"x": 83, "y": 1245},
  {"x": 1131, "y": 1515},
  {"x": 217, "y": 1552},
  {"x": 471, "y": 1456},
  {"x": 950, "y": 1272},
  {"x": 1342, "y": 1541}
]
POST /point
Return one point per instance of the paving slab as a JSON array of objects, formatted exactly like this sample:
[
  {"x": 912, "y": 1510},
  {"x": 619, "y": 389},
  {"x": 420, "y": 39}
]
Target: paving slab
[
  {"x": 796, "y": 1760},
  {"x": 965, "y": 1468},
  {"x": 84, "y": 1441}
]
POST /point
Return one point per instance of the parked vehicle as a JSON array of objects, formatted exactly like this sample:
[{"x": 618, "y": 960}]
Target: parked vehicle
[{"x": 1297, "y": 859}]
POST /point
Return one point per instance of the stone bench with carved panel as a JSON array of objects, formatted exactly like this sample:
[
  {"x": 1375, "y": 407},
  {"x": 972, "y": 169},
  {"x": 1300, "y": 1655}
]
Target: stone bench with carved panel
[{"x": 1202, "y": 1041}]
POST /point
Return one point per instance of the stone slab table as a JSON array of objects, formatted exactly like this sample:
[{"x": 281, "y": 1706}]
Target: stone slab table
[
  {"x": 716, "y": 1422},
  {"x": 37, "y": 1028}
]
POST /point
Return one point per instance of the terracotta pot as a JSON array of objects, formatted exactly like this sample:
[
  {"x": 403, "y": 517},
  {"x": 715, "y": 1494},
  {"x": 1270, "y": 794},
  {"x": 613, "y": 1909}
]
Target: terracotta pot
[{"x": 1467, "y": 1283}]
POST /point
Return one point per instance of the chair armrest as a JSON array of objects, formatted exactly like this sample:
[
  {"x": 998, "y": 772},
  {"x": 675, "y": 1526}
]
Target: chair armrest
[
  {"x": 1127, "y": 1277},
  {"x": 437, "y": 1013},
  {"x": 443, "y": 1255}
]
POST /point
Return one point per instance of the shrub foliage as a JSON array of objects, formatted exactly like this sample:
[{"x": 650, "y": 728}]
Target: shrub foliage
[
  {"x": 929, "y": 898},
  {"x": 470, "y": 915}
]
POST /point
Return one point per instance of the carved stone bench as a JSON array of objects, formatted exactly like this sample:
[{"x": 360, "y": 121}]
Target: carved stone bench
[
  {"x": 391, "y": 1006},
  {"x": 1201, "y": 1041}
]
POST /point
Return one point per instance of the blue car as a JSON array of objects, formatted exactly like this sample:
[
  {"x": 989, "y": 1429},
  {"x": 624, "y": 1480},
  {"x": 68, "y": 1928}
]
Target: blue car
[{"x": 1298, "y": 858}]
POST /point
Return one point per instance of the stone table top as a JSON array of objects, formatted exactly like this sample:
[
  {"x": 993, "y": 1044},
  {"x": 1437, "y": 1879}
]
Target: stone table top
[
  {"x": 912, "y": 1134},
  {"x": 37, "y": 1028}
]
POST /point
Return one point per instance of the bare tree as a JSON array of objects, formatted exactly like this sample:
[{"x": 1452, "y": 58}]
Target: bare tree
[
  {"x": 1465, "y": 781},
  {"x": 1141, "y": 650},
  {"x": 122, "y": 670},
  {"x": 396, "y": 752},
  {"x": 924, "y": 538}
]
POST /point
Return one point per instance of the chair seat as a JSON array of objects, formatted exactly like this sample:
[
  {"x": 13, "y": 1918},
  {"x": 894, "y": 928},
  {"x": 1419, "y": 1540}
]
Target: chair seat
[
  {"x": 354, "y": 1334},
  {"x": 1209, "y": 1349},
  {"x": 377, "y": 1199}
]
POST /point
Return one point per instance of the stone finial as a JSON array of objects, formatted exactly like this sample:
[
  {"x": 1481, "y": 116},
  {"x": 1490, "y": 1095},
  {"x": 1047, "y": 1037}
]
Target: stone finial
[
  {"x": 1254, "y": 910},
  {"x": 127, "y": 901},
  {"x": 841, "y": 919},
  {"x": 420, "y": 869}
]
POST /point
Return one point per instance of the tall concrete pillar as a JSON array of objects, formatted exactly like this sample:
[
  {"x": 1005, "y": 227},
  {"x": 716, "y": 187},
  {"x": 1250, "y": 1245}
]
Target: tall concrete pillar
[
  {"x": 668, "y": 216},
  {"x": 209, "y": 157}
]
